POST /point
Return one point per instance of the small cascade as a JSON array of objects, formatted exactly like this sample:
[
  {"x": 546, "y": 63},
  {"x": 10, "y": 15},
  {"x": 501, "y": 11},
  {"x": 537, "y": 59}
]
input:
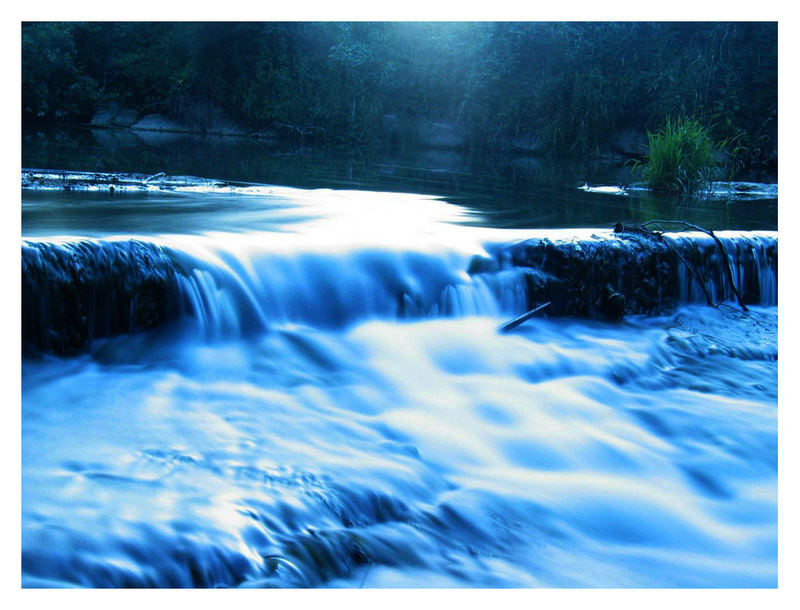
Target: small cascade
[
  {"x": 609, "y": 275},
  {"x": 229, "y": 293},
  {"x": 74, "y": 292},
  {"x": 752, "y": 258}
]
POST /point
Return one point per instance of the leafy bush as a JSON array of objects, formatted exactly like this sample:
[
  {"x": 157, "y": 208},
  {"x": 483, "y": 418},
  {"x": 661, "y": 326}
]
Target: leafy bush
[{"x": 681, "y": 158}]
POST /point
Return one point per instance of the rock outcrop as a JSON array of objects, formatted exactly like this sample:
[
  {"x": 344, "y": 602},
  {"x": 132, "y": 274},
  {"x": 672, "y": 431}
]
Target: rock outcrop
[{"x": 112, "y": 116}]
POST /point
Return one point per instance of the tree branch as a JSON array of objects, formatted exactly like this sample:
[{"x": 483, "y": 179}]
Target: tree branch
[{"x": 720, "y": 245}]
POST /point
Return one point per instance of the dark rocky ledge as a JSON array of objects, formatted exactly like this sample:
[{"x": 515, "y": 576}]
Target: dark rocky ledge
[
  {"x": 76, "y": 292},
  {"x": 611, "y": 275}
]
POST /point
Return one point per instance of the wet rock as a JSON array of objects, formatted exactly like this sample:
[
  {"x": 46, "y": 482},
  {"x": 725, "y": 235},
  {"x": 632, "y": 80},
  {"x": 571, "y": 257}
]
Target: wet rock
[
  {"x": 102, "y": 118},
  {"x": 77, "y": 292},
  {"x": 113, "y": 116},
  {"x": 125, "y": 117},
  {"x": 632, "y": 271}
]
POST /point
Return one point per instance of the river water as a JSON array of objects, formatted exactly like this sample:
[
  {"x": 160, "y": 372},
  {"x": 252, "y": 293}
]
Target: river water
[{"x": 332, "y": 405}]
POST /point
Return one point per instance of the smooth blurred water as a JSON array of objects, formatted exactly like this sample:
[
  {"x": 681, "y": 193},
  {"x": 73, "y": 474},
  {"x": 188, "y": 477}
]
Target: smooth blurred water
[
  {"x": 410, "y": 454},
  {"x": 339, "y": 444}
]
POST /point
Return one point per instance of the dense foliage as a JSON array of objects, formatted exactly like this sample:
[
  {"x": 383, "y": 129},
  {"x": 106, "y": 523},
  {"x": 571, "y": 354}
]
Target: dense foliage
[{"x": 569, "y": 85}]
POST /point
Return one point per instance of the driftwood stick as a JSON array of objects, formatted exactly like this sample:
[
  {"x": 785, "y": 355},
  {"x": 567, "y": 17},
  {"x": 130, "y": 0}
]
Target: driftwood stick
[{"x": 526, "y": 316}]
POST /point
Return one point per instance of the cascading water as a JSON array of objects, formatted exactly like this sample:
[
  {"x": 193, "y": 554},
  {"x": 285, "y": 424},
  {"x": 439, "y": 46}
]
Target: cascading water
[
  {"x": 322, "y": 398},
  {"x": 753, "y": 260},
  {"x": 90, "y": 289}
]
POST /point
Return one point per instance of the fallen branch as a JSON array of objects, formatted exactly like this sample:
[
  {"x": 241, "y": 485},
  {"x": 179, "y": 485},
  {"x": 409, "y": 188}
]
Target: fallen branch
[
  {"x": 720, "y": 245},
  {"x": 694, "y": 273},
  {"x": 640, "y": 231},
  {"x": 526, "y": 316}
]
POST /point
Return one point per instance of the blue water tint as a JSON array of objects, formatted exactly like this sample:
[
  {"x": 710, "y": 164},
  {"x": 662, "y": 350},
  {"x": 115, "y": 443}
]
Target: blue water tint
[
  {"x": 421, "y": 453},
  {"x": 329, "y": 403}
]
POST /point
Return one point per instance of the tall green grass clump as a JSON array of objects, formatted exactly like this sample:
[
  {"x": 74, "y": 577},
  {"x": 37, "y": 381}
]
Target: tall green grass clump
[{"x": 681, "y": 157}]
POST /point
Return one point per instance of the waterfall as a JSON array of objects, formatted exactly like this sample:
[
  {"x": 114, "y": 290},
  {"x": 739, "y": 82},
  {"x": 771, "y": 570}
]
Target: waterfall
[
  {"x": 76, "y": 291},
  {"x": 752, "y": 257}
]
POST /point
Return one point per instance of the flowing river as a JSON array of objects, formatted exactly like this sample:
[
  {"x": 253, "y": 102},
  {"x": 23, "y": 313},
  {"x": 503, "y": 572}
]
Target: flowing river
[{"x": 239, "y": 385}]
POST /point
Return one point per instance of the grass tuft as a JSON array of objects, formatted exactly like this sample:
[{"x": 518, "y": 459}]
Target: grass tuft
[{"x": 681, "y": 158}]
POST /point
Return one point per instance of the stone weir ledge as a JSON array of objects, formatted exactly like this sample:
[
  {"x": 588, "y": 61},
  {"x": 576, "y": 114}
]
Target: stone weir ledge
[
  {"x": 78, "y": 291},
  {"x": 632, "y": 270}
]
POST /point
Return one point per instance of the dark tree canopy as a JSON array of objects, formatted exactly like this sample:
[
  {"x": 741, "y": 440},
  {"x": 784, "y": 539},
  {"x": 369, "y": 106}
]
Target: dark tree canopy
[{"x": 570, "y": 84}]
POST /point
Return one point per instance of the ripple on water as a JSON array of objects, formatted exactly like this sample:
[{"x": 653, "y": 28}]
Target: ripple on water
[{"x": 430, "y": 453}]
